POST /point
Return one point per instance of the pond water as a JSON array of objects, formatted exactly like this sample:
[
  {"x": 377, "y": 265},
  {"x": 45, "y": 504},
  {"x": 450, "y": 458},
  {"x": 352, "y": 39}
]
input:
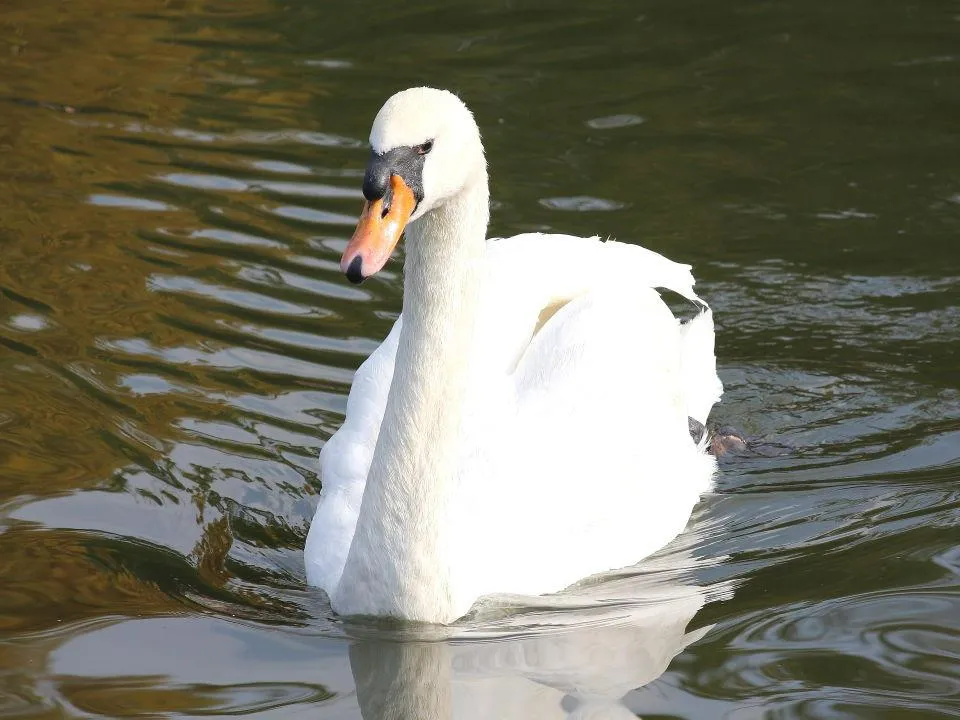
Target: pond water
[{"x": 178, "y": 179}]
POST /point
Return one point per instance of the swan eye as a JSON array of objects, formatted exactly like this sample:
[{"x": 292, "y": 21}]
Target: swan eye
[{"x": 425, "y": 148}]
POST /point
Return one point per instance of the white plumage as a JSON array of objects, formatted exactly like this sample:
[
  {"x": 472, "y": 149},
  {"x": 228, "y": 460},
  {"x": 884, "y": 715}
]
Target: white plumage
[{"x": 524, "y": 424}]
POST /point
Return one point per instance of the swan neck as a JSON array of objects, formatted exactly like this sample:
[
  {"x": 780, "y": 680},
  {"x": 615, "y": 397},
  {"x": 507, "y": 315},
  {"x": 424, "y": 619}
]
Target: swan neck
[
  {"x": 441, "y": 275},
  {"x": 397, "y": 563}
]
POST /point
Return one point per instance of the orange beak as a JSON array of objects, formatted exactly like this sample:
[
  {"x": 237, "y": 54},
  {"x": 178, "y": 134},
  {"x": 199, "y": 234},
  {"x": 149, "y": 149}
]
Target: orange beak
[{"x": 378, "y": 232}]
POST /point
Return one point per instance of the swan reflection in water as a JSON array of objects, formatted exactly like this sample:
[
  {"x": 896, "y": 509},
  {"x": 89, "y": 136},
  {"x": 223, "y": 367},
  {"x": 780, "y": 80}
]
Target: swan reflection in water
[
  {"x": 574, "y": 655},
  {"x": 575, "y": 659}
]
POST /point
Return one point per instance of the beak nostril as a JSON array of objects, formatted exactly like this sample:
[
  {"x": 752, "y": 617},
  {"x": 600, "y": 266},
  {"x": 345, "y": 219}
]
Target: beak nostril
[{"x": 387, "y": 201}]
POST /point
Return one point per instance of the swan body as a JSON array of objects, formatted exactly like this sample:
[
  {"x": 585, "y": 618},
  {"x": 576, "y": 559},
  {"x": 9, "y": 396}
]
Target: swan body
[{"x": 525, "y": 422}]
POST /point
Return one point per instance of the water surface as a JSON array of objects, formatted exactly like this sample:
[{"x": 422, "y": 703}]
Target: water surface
[{"x": 176, "y": 344}]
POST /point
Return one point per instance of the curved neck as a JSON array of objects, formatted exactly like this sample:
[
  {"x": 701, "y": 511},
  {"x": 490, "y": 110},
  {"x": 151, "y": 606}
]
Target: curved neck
[{"x": 397, "y": 563}]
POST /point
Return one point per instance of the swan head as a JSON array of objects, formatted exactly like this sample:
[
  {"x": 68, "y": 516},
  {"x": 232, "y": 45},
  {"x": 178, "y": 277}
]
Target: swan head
[{"x": 425, "y": 150}]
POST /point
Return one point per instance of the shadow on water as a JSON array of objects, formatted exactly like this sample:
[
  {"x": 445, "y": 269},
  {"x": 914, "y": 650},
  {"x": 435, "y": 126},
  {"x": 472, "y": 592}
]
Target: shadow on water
[{"x": 176, "y": 343}]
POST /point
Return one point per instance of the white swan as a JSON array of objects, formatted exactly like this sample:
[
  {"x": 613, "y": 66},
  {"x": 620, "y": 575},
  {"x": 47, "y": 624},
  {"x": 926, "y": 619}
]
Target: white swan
[{"x": 524, "y": 424}]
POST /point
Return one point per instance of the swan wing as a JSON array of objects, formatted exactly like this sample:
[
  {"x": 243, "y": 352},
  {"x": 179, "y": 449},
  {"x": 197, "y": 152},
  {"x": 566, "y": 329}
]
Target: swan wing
[
  {"x": 591, "y": 427},
  {"x": 344, "y": 463},
  {"x": 531, "y": 276}
]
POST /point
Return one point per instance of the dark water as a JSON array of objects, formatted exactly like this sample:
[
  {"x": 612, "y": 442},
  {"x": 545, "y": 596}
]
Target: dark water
[{"x": 176, "y": 182}]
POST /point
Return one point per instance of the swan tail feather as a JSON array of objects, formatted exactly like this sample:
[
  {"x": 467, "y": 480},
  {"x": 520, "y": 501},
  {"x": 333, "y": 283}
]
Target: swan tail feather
[{"x": 699, "y": 366}]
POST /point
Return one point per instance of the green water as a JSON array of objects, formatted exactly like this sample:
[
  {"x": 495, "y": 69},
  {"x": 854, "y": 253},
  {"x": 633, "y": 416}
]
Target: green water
[{"x": 177, "y": 180}]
